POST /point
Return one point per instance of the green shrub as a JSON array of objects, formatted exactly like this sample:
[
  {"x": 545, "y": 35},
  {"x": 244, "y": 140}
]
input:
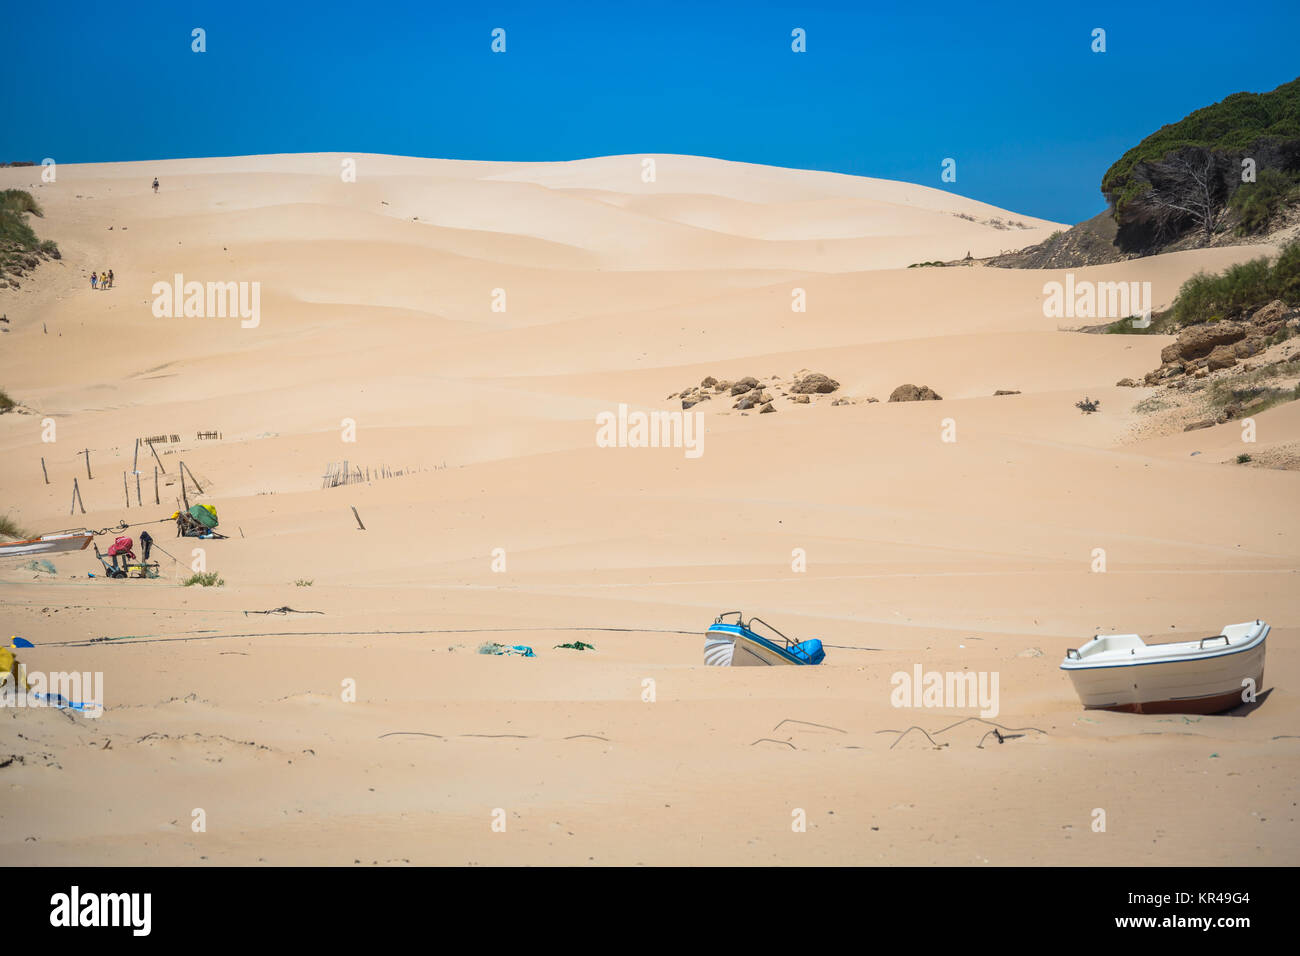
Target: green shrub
[
  {"x": 1252, "y": 392},
  {"x": 1256, "y": 202},
  {"x": 15, "y": 233},
  {"x": 1240, "y": 289},
  {"x": 1125, "y": 326},
  {"x": 12, "y": 529},
  {"x": 19, "y": 201},
  {"x": 1243, "y": 458},
  {"x": 303, "y": 583},
  {"x": 207, "y": 579},
  {"x": 1285, "y": 283},
  {"x": 7, "y": 404}
]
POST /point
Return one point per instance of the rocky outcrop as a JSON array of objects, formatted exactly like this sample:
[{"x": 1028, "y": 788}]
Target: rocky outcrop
[
  {"x": 1200, "y": 340},
  {"x": 1222, "y": 357},
  {"x": 911, "y": 393},
  {"x": 1202, "y": 349},
  {"x": 1275, "y": 311}
]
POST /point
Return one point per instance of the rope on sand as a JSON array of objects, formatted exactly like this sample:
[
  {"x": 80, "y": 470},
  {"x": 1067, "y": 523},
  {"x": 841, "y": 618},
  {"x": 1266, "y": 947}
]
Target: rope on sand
[
  {"x": 149, "y": 639},
  {"x": 284, "y": 609},
  {"x": 1011, "y": 732}
]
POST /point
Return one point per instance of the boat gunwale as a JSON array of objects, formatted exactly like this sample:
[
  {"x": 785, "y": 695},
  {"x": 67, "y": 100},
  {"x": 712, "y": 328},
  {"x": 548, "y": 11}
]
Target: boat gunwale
[{"x": 1202, "y": 654}]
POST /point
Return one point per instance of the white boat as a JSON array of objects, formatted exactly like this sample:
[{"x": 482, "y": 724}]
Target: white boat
[
  {"x": 1206, "y": 676},
  {"x": 47, "y": 544}
]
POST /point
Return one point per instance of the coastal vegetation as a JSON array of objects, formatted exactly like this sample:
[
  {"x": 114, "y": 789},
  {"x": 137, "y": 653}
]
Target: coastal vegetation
[{"x": 20, "y": 248}]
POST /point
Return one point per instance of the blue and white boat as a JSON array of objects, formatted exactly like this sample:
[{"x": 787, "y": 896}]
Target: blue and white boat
[{"x": 740, "y": 644}]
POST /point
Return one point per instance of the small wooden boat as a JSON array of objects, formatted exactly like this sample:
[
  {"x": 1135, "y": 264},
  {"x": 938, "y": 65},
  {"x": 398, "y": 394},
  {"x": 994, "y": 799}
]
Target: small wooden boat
[
  {"x": 1121, "y": 672},
  {"x": 739, "y": 645},
  {"x": 47, "y": 544}
]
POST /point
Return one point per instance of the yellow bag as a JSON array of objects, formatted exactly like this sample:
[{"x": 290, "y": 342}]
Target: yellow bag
[{"x": 11, "y": 668}]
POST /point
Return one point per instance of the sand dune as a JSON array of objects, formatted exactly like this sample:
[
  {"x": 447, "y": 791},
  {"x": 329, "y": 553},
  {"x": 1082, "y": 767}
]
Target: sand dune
[{"x": 377, "y": 306}]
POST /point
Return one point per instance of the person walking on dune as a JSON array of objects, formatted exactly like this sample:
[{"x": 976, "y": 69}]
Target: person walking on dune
[
  {"x": 94, "y": 280},
  {"x": 155, "y": 185},
  {"x": 103, "y": 280},
  {"x": 110, "y": 278}
]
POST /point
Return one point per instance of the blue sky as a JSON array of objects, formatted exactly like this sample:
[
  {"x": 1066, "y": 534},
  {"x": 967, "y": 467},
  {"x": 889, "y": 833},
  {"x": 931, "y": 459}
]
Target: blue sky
[{"x": 1013, "y": 92}]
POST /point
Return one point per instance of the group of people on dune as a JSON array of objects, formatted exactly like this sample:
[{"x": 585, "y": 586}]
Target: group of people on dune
[{"x": 101, "y": 280}]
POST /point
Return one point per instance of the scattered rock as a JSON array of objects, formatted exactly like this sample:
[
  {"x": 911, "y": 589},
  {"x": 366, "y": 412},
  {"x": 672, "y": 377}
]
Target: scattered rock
[
  {"x": 814, "y": 383},
  {"x": 1207, "y": 423},
  {"x": 744, "y": 385},
  {"x": 910, "y": 393},
  {"x": 1006, "y": 391},
  {"x": 802, "y": 400},
  {"x": 708, "y": 381},
  {"x": 1127, "y": 383},
  {"x": 766, "y": 408}
]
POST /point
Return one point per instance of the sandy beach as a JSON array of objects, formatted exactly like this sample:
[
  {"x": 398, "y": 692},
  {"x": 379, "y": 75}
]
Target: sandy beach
[{"x": 466, "y": 323}]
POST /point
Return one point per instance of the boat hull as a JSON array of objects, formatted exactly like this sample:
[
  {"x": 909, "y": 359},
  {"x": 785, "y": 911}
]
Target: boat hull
[
  {"x": 730, "y": 645},
  {"x": 1197, "y": 683},
  {"x": 752, "y": 654},
  {"x": 47, "y": 544}
]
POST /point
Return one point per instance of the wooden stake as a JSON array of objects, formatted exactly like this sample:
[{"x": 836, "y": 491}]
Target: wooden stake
[
  {"x": 192, "y": 478},
  {"x": 76, "y": 498},
  {"x": 43, "y": 471},
  {"x": 135, "y": 461},
  {"x": 156, "y": 499},
  {"x": 138, "y": 502},
  {"x": 88, "y": 474},
  {"x": 358, "y": 517},
  {"x": 126, "y": 491},
  {"x": 156, "y": 458}
]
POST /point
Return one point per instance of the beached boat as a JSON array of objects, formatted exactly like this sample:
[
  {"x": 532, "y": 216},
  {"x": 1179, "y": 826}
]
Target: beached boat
[
  {"x": 47, "y": 544},
  {"x": 1121, "y": 672},
  {"x": 739, "y": 645}
]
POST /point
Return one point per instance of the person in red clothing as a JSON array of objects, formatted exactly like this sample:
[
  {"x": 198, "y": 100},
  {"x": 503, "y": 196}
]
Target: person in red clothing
[{"x": 122, "y": 548}]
